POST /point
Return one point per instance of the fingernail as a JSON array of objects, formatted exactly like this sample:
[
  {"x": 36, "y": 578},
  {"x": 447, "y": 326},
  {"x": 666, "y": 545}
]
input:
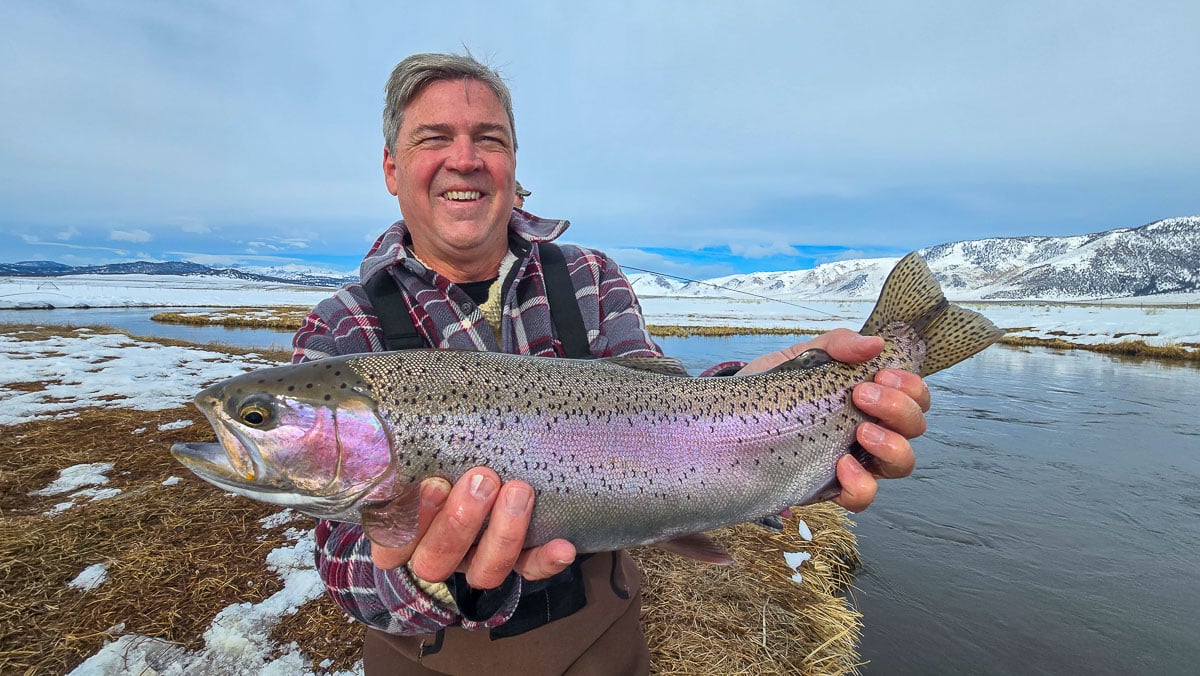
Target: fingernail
[
  {"x": 516, "y": 501},
  {"x": 868, "y": 392},
  {"x": 871, "y": 433},
  {"x": 434, "y": 493},
  {"x": 482, "y": 487},
  {"x": 888, "y": 379}
]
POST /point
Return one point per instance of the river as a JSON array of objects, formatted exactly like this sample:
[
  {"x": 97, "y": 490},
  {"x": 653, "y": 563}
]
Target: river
[{"x": 1051, "y": 526}]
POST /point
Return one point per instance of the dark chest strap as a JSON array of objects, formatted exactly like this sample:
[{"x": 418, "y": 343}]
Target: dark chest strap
[{"x": 399, "y": 332}]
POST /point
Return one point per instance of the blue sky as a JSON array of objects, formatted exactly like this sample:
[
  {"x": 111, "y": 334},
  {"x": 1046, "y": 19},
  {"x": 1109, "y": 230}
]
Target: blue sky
[{"x": 693, "y": 138}]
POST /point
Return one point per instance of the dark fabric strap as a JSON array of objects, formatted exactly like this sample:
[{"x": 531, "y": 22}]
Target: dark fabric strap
[
  {"x": 564, "y": 307},
  {"x": 399, "y": 332}
]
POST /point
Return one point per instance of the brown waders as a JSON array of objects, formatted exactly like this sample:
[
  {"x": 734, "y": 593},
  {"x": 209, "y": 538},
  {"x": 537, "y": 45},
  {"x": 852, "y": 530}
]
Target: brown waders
[{"x": 603, "y": 638}]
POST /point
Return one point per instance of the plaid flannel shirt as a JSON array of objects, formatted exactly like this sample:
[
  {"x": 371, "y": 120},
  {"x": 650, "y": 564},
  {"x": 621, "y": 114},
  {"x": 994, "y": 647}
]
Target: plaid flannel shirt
[{"x": 391, "y": 600}]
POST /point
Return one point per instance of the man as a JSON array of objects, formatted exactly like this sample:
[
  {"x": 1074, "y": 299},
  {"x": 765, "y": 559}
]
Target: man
[
  {"x": 522, "y": 193},
  {"x": 471, "y": 273}
]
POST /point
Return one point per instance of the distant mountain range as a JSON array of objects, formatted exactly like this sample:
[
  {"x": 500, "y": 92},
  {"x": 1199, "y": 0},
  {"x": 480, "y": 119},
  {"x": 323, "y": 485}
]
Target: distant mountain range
[
  {"x": 280, "y": 275},
  {"x": 1157, "y": 258}
]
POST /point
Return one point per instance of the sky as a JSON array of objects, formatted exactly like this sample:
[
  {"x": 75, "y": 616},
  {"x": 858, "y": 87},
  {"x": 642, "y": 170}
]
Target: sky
[{"x": 696, "y": 139}]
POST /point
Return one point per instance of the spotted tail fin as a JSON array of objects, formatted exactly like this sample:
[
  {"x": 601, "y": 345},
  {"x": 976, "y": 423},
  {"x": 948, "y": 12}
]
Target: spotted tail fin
[{"x": 951, "y": 333}]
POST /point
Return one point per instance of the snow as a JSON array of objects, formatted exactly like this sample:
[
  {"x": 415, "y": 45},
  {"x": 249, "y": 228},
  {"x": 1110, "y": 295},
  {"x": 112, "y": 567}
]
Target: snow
[
  {"x": 794, "y": 560},
  {"x": 238, "y": 640},
  {"x": 177, "y": 425},
  {"x": 98, "y": 369},
  {"x": 77, "y": 476},
  {"x": 1078, "y": 323},
  {"x": 80, "y": 291},
  {"x": 805, "y": 532},
  {"x": 93, "y": 576}
]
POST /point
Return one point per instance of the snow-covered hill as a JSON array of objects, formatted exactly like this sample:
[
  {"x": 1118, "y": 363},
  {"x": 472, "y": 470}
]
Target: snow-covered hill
[{"x": 1159, "y": 258}]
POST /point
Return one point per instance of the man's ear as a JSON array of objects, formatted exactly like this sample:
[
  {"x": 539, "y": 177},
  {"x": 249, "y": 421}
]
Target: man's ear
[{"x": 389, "y": 171}]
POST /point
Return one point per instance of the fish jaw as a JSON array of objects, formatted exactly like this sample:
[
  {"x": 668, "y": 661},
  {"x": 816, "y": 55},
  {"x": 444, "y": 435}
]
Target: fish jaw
[{"x": 320, "y": 455}]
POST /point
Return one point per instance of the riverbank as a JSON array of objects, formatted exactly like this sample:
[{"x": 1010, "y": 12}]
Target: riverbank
[
  {"x": 112, "y": 553},
  {"x": 1157, "y": 337}
]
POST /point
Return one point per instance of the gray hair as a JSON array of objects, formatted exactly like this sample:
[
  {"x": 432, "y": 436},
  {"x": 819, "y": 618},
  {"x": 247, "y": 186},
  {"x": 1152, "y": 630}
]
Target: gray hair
[{"x": 418, "y": 71}]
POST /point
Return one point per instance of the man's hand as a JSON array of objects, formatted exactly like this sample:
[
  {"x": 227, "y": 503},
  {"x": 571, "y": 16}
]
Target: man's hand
[
  {"x": 897, "y": 399},
  {"x": 452, "y": 519}
]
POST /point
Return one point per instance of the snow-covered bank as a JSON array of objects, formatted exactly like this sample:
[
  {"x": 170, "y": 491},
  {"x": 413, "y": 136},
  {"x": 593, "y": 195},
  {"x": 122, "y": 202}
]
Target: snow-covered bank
[
  {"x": 1076, "y": 323},
  {"x": 81, "y": 291},
  {"x": 1156, "y": 320}
]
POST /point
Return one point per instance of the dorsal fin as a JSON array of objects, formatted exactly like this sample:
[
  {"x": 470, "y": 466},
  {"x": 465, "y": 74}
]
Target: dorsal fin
[{"x": 667, "y": 366}]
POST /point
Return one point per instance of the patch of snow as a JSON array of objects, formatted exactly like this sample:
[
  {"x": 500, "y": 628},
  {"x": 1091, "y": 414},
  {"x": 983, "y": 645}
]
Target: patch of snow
[
  {"x": 177, "y": 425},
  {"x": 93, "y": 576},
  {"x": 136, "y": 374},
  {"x": 77, "y": 476},
  {"x": 171, "y": 481},
  {"x": 238, "y": 640},
  {"x": 805, "y": 533}
]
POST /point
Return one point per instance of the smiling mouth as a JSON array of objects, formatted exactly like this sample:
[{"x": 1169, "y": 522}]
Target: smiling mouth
[{"x": 462, "y": 195}]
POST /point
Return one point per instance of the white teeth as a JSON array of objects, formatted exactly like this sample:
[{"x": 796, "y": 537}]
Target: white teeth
[{"x": 462, "y": 195}]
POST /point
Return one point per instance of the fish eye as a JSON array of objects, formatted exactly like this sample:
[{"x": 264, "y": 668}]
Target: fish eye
[{"x": 254, "y": 414}]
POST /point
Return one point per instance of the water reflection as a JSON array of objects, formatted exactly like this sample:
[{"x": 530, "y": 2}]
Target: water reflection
[{"x": 137, "y": 321}]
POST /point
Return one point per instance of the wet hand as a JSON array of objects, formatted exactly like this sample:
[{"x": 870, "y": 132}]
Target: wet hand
[
  {"x": 451, "y": 534},
  {"x": 897, "y": 399}
]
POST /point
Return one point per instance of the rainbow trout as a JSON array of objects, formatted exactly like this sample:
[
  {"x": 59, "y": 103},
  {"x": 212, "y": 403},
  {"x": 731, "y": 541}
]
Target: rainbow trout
[{"x": 621, "y": 452}]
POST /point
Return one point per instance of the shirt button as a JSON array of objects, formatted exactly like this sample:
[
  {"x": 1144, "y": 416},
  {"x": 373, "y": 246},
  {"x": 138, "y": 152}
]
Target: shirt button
[{"x": 466, "y": 307}]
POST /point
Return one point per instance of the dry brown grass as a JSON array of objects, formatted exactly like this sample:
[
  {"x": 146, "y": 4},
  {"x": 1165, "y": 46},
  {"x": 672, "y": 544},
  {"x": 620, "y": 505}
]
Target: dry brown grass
[
  {"x": 1125, "y": 348},
  {"x": 751, "y": 618},
  {"x": 678, "y": 331},
  {"x": 179, "y": 554},
  {"x": 176, "y": 554},
  {"x": 278, "y": 318}
]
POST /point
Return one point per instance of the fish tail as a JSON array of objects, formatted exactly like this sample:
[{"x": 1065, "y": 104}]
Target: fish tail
[{"x": 912, "y": 296}]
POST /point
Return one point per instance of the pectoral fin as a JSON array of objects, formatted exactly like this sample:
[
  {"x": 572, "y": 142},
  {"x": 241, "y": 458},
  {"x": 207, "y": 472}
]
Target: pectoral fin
[
  {"x": 697, "y": 546},
  {"x": 394, "y": 523}
]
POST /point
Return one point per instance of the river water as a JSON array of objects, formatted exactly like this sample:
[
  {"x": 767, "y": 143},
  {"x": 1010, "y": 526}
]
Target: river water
[{"x": 1051, "y": 527}]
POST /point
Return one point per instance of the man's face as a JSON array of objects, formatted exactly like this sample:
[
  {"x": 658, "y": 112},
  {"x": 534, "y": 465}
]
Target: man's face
[{"x": 453, "y": 170}]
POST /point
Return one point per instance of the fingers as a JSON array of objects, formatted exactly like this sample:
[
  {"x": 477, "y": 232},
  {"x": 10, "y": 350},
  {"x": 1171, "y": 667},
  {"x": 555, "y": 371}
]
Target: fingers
[
  {"x": 891, "y": 455},
  {"x": 858, "y": 486},
  {"x": 546, "y": 561},
  {"x": 909, "y": 383},
  {"x": 501, "y": 544},
  {"x": 841, "y": 344},
  {"x": 455, "y": 528},
  {"x": 847, "y": 346},
  {"x": 456, "y": 538},
  {"x": 434, "y": 492},
  {"x": 892, "y": 408}
]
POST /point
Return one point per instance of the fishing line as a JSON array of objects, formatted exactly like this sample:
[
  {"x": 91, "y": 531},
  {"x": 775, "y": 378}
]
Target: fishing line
[{"x": 728, "y": 288}]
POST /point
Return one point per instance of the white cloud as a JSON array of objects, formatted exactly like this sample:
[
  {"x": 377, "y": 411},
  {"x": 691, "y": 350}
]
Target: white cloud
[
  {"x": 762, "y": 249},
  {"x": 71, "y": 232},
  {"x": 136, "y": 236},
  {"x": 193, "y": 225}
]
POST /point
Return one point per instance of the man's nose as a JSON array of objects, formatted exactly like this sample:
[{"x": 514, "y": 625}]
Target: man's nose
[{"x": 464, "y": 157}]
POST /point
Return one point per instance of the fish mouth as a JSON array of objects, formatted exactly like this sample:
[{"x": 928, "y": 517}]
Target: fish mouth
[{"x": 210, "y": 462}]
